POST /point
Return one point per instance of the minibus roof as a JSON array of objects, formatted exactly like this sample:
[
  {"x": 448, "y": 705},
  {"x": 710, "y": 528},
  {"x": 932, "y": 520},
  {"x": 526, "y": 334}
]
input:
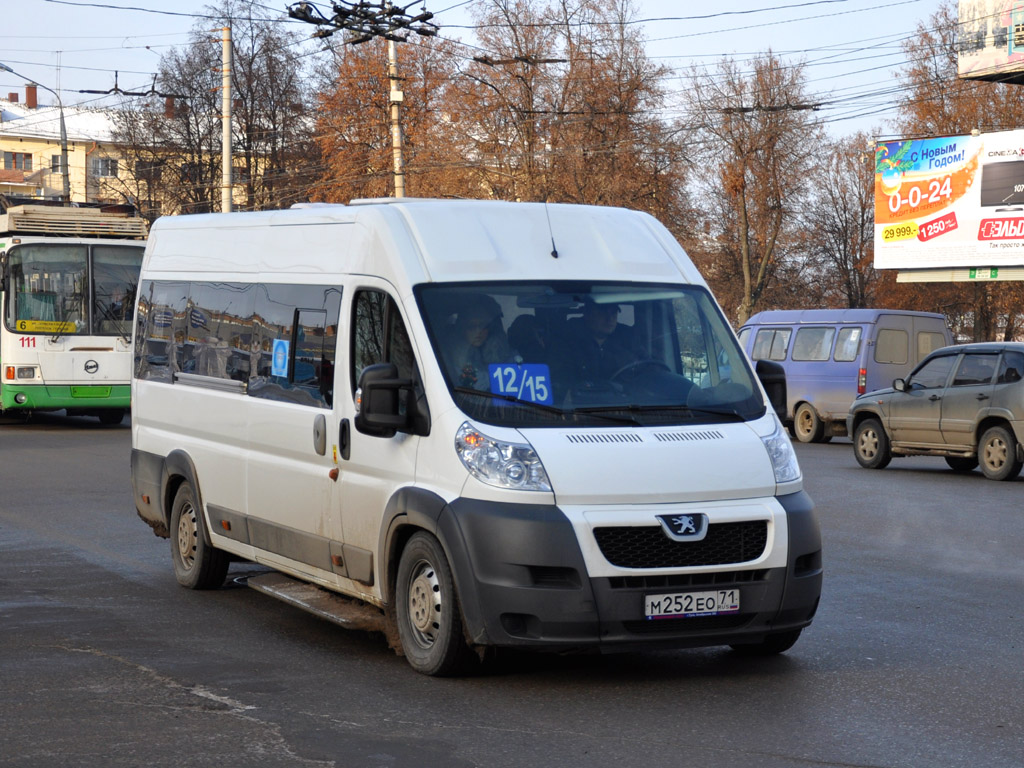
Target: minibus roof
[{"x": 411, "y": 241}]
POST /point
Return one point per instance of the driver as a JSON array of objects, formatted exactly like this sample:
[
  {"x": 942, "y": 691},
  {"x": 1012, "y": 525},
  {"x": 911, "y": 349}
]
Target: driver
[{"x": 597, "y": 349}]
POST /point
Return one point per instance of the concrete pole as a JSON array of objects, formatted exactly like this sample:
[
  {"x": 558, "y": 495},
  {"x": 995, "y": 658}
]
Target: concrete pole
[
  {"x": 396, "y": 98},
  {"x": 225, "y": 146}
]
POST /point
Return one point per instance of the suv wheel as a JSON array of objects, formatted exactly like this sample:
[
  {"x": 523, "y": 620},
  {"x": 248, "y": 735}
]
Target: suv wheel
[
  {"x": 997, "y": 454},
  {"x": 871, "y": 445}
]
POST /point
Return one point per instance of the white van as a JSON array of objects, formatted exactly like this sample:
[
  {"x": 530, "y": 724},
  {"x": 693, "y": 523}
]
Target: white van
[{"x": 469, "y": 424}]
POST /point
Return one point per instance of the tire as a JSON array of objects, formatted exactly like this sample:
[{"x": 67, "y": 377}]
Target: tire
[
  {"x": 197, "y": 565},
  {"x": 962, "y": 464},
  {"x": 871, "y": 445},
  {"x": 427, "y": 610},
  {"x": 997, "y": 454},
  {"x": 772, "y": 645},
  {"x": 807, "y": 427},
  {"x": 111, "y": 417}
]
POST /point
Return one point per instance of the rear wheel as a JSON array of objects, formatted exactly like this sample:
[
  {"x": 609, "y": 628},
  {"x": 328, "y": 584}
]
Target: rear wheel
[
  {"x": 997, "y": 454},
  {"x": 780, "y": 642},
  {"x": 962, "y": 464},
  {"x": 807, "y": 427},
  {"x": 427, "y": 610},
  {"x": 871, "y": 445},
  {"x": 197, "y": 565}
]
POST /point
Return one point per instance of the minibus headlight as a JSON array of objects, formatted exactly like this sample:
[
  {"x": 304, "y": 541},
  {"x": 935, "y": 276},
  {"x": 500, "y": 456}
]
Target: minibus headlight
[
  {"x": 782, "y": 455},
  {"x": 498, "y": 463}
]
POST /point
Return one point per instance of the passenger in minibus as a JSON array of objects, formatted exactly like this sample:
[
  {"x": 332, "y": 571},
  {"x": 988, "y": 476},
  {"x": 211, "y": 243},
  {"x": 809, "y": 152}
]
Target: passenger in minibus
[{"x": 477, "y": 340}]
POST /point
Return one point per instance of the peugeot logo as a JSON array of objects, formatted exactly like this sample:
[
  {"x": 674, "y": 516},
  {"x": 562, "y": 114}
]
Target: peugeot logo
[
  {"x": 685, "y": 527},
  {"x": 91, "y": 366}
]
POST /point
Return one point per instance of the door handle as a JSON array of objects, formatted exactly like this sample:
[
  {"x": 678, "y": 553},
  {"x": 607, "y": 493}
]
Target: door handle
[
  {"x": 933, "y": 398},
  {"x": 982, "y": 396},
  {"x": 345, "y": 439}
]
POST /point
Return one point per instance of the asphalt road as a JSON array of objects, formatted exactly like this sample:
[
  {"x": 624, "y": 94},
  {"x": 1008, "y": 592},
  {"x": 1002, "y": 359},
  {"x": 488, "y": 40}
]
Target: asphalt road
[{"x": 915, "y": 658}]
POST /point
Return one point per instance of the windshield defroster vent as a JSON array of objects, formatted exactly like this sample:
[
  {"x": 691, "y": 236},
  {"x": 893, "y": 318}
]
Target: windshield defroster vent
[
  {"x": 698, "y": 436},
  {"x": 617, "y": 437}
]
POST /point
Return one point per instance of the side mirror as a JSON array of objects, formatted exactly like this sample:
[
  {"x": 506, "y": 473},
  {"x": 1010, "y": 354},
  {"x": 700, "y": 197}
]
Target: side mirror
[
  {"x": 899, "y": 385},
  {"x": 377, "y": 410},
  {"x": 773, "y": 379}
]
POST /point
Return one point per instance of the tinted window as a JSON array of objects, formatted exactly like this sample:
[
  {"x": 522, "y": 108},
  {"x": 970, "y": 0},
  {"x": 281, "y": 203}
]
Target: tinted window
[
  {"x": 379, "y": 336},
  {"x": 813, "y": 343},
  {"x": 933, "y": 373},
  {"x": 295, "y": 331},
  {"x": 160, "y": 329},
  {"x": 975, "y": 369},
  {"x": 847, "y": 345},
  {"x": 771, "y": 344},
  {"x": 1011, "y": 368},
  {"x": 892, "y": 346},
  {"x": 219, "y": 326}
]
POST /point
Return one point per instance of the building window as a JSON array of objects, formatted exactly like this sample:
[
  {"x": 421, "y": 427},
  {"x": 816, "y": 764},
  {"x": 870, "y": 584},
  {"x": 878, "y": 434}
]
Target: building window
[
  {"x": 148, "y": 170},
  {"x": 17, "y": 161},
  {"x": 104, "y": 166},
  {"x": 55, "y": 165}
]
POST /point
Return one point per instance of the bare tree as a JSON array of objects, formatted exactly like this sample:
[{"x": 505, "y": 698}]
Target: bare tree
[
  {"x": 838, "y": 229},
  {"x": 755, "y": 144}
]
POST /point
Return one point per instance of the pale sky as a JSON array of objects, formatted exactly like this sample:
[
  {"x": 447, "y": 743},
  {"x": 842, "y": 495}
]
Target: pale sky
[{"x": 850, "y": 47}]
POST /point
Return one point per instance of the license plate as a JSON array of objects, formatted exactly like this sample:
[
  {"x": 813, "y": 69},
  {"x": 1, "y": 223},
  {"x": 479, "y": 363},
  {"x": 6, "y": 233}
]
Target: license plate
[{"x": 688, "y": 604}]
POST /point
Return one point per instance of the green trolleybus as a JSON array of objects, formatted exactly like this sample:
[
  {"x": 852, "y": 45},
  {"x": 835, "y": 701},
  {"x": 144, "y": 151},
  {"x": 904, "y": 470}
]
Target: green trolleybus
[{"x": 68, "y": 277}]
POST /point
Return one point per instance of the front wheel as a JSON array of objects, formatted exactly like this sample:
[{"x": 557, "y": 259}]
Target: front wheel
[
  {"x": 997, "y": 454},
  {"x": 871, "y": 445},
  {"x": 427, "y": 610},
  {"x": 197, "y": 565}
]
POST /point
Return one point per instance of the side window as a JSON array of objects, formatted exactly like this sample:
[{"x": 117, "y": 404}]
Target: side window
[
  {"x": 379, "y": 336},
  {"x": 160, "y": 329},
  {"x": 1011, "y": 368},
  {"x": 743, "y": 335},
  {"x": 892, "y": 346},
  {"x": 847, "y": 345},
  {"x": 219, "y": 326},
  {"x": 295, "y": 332},
  {"x": 813, "y": 343},
  {"x": 933, "y": 374},
  {"x": 975, "y": 370},
  {"x": 771, "y": 344},
  {"x": 928, "y": 342}
]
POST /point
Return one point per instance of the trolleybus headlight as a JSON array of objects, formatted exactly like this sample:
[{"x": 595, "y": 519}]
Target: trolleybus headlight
[
  {"x": 26, "y": 372},
  {"x": 499, "y": 463}
]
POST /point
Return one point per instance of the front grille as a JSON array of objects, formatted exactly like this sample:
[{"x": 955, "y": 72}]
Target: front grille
[{"x": 650, "y": 547}]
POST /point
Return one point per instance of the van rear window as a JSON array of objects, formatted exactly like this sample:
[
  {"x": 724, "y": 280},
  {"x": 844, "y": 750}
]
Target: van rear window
[
  {"x": 892, "y": 346},
  {"x": 928, "y": 342},
  {"x": 813, "y": 343}
]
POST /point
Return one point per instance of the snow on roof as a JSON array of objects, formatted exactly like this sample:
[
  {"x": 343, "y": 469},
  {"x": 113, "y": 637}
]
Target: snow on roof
[{"x": 81, "y": 123}]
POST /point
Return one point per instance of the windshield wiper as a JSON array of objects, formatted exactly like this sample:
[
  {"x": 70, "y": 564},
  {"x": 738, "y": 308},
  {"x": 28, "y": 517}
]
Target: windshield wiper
[{"x": 119, "y": 324}]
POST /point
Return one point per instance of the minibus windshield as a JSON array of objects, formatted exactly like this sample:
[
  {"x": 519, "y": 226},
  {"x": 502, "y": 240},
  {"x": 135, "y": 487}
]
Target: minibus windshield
[{"x": 532, "y": 354}]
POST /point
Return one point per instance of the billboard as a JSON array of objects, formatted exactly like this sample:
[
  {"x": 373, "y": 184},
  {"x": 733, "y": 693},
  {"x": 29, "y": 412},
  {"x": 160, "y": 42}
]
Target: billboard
[
  {"x": 990, "y": 40},
  {"x": 955, "y": 201}
]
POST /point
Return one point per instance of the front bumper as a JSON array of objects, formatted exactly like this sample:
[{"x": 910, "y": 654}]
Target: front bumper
[{"x": 523, "y": 582}]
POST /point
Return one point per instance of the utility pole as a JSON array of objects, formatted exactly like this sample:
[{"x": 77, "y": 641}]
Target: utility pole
[
  {"x": 225, "y": 146},
  {"x": 366, "y": 20},
  {"x": 396, "y": 126}
]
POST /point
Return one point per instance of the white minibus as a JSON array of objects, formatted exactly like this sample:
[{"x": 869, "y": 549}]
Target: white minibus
[{"x": 468, "y": 424}]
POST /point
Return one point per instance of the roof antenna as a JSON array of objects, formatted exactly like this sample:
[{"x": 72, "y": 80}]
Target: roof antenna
[{"x": 554, "y": 250}]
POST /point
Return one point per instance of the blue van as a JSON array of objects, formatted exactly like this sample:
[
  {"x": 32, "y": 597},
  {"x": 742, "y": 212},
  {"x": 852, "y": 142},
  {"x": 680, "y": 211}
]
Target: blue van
[{"x": 833, "y": 355}]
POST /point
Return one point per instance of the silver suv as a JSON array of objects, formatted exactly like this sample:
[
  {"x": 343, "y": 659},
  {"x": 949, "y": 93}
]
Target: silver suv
[{"x": 964, "y": 403}]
